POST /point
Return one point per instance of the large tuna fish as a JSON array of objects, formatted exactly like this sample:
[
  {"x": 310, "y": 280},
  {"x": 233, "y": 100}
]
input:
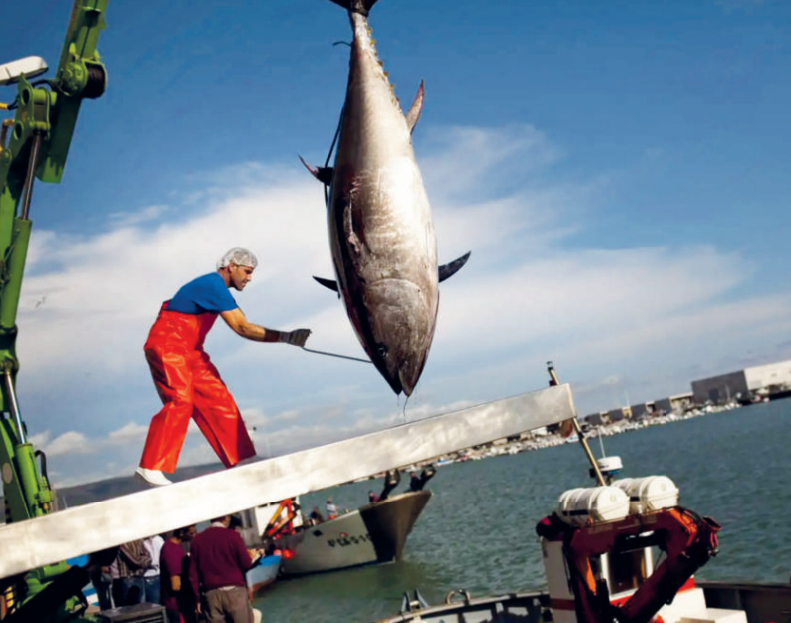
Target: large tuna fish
[{"x": 381, "y": 236}]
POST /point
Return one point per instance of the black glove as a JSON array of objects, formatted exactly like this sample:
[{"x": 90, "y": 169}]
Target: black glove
[{"x": 297, "y": 337}]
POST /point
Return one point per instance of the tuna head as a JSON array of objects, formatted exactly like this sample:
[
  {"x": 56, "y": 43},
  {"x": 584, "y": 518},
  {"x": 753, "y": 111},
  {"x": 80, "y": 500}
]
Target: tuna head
[{"x": 395, "y": 321}]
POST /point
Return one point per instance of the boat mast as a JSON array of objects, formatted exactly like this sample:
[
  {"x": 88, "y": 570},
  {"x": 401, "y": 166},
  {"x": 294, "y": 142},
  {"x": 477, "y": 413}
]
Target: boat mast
[{"x": 553, "y": 380}]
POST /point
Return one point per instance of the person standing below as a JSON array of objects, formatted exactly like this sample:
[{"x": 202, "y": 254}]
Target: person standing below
[
  {"x": 219, "y": 561},
  {"x": 133, "y": 560},
  {"x": 188, "y": 383},
  {"x": 332, "y": 510},
  {"x": 315, "y": 516},
  {"x": 116, "y": 588},
  {"x": 153, "y": 546},
  {"x": 171, "y": 567},
  {"x": 102, "y": 581}
]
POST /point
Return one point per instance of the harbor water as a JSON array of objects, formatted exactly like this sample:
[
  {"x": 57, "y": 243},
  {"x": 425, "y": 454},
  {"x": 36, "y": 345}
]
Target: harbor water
[{"x": 478, "y": 531}]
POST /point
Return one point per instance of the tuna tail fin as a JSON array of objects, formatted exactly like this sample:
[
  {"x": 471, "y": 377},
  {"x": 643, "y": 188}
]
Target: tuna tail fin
[
  {"x": 356, "y": 6},
  {"x": 451, "y": 268},
  {"x": 417, "y": 107}
]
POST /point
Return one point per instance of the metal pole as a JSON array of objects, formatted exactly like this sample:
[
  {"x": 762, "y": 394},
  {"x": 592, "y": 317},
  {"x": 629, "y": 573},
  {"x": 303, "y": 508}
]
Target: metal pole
[
  {"x": 9, "y": 384},
  {"x": 27, "y": 194},
  {"x": 578, "y": 429}
]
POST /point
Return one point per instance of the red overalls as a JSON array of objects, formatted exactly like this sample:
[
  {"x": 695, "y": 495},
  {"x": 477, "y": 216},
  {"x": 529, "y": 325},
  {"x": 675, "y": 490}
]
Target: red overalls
[{"x": 190, "y": 387}]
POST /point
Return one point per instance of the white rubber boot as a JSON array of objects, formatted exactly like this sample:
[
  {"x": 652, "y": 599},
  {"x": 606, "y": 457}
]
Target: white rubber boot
[{"x": 152, "y": 477}]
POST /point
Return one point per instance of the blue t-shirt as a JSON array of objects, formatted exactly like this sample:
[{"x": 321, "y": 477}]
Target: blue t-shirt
[{"x": 206, "y": 294}]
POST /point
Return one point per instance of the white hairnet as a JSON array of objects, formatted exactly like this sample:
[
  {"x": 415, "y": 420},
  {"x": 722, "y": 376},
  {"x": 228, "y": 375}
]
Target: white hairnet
[{"x": 238, "y": 256}]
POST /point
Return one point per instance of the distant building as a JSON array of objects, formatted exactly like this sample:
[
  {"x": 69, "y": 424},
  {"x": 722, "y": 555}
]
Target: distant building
[
  {"x": 642, "y": 410},
  {"x": 673, "y": 404},
  {"x": 743, "y": 384},
  {"x": 616, "y": 415},
  {"x": 594, "y": 419},
  {"x": 720, "y": 389}
]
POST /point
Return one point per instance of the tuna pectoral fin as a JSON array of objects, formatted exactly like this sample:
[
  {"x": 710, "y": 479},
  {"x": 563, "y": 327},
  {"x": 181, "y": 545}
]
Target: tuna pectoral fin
[
  {"x": 417, "y": 107},
  {"x": 451, "y": 268},
  {"x": 323, "y": 174},
  {"x": 328, "y": 283},
  {"x": 358, "y": 6}
]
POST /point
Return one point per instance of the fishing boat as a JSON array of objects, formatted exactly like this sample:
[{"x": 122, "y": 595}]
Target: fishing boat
[
  {"x": 373, "y": 533},
  {"x": 622, "y": 551},
  {"x": 725, "y": 602},
  {"x": 263, "y": 573}
]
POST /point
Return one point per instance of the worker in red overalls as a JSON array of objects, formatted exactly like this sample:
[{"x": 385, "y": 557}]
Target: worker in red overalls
[{"x": 188, "y": 383}]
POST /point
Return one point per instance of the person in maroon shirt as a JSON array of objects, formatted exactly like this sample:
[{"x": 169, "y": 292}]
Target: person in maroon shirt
[
  {"x": 219, "y": 561},
  {"x": 171, "y": 566}
]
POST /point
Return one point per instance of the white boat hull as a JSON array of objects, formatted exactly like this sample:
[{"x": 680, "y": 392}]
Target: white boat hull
[{"x": 374, "y": 533}]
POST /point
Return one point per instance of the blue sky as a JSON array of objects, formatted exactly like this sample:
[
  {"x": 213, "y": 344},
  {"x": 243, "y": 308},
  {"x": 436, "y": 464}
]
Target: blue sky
[{"x": 619, "y": 171}]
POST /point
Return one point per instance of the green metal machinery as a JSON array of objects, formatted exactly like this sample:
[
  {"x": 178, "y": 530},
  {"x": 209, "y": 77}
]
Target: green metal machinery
[{"x": 35, "y": 144}]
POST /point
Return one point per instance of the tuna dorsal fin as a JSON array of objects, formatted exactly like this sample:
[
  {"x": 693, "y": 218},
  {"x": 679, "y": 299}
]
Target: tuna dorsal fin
[
  {"x": 417, "y": 107},
  {"x": 356, "y": 6},
  {"x": 451, "y": 268},
  {"x": 328, "y": 283}
]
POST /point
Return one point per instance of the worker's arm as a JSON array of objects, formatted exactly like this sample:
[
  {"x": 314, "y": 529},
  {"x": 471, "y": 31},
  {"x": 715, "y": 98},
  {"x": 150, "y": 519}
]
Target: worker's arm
[
  {"x": 236, "y": 319},
  {"x": 244, "y": 556},
  {"x": 175, "y": 583}
]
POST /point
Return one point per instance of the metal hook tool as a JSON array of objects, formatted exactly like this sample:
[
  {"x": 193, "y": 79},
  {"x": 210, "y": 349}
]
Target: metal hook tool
[{"x": 321, "y": 352}]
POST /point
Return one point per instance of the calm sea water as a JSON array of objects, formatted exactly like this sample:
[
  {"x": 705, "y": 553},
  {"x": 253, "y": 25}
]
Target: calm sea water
[{"x": 477, "y": 532}]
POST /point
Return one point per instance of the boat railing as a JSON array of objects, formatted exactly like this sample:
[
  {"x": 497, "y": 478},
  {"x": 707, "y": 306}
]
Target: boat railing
[
  {"x": 761, "y": 602},
  {"x": 460, "y": 607}
]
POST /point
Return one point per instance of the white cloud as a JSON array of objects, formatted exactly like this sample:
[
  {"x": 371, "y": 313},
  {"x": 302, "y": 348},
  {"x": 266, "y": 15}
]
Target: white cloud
[
  {"x": 126, "y": 219},
  {"x": 129, "y": 432},
  {"x": 70, "y": 442}
]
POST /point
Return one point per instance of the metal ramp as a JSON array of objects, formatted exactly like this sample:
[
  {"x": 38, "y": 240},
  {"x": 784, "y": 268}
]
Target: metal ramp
[{"x": 84, "y": 529}]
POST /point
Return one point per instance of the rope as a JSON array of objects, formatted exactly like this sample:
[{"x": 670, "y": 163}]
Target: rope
[{"x": 329, "y": 155}]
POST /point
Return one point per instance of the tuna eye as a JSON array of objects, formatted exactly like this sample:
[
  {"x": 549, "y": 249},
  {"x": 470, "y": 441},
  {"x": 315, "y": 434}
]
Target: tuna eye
[{"x": 382, "y": 350}]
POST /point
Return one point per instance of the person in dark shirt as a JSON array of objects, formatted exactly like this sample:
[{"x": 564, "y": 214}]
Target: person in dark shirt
[
  {"x": 186, "y": 380},
  {"x": 315, "y": 516},
  {"x": 173, "y": 583},
  {"x": 219, "y": 561}
]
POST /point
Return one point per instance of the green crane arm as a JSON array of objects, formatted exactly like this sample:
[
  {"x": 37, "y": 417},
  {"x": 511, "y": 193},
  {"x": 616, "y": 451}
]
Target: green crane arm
[{"x": 40, "y": 135}]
